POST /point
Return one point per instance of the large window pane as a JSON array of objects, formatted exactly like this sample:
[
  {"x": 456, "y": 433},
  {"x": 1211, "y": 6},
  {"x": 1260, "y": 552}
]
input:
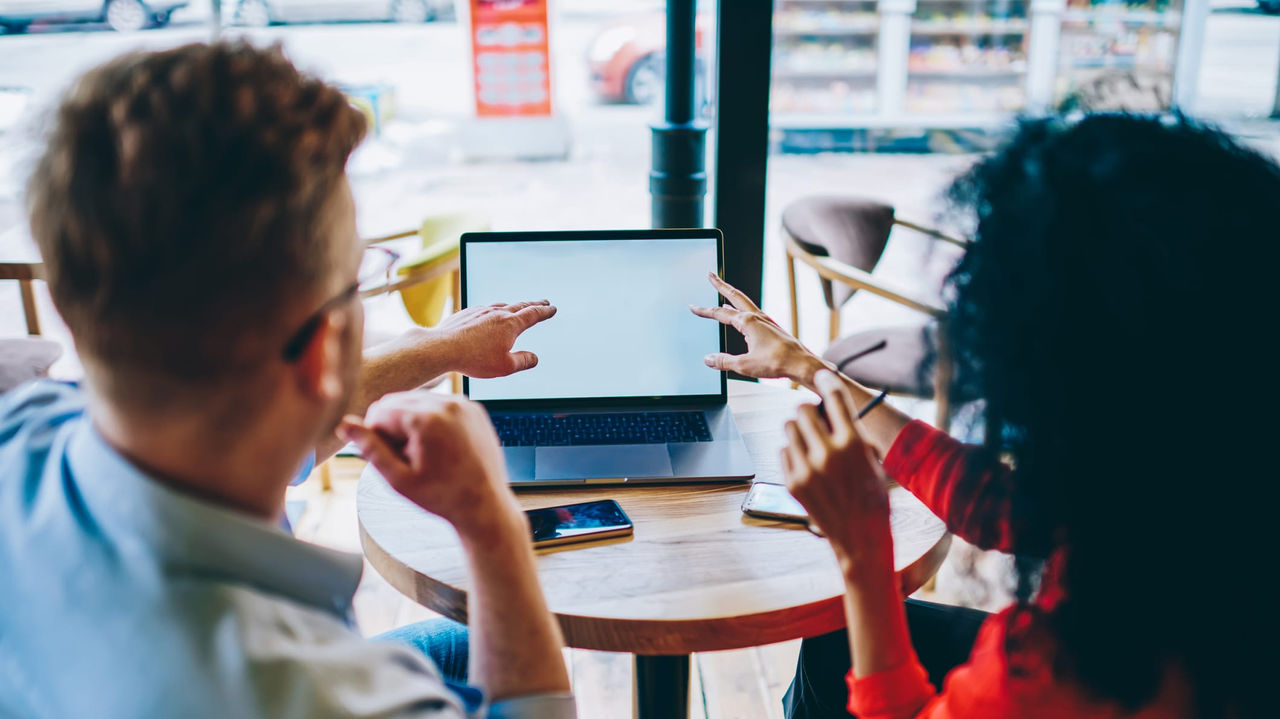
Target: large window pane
[{"x": 452, "y": 131}]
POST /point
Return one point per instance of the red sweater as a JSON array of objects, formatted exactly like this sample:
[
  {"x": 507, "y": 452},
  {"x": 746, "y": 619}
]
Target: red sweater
[{"x": 975, "y": 506}]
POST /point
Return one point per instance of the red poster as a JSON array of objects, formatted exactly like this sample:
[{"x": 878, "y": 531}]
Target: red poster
[{"x": 510, "y": 58}]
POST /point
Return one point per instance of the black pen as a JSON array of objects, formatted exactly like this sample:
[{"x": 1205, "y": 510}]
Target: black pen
[
  {"x": 873, "y": 404},
  {"x": 822, "y": 410}
]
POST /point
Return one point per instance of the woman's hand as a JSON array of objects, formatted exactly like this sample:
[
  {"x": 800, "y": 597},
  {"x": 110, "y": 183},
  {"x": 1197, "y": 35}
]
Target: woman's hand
[
  {"x": 829, "y": 470},
  {"x": 771, "y": 352}
]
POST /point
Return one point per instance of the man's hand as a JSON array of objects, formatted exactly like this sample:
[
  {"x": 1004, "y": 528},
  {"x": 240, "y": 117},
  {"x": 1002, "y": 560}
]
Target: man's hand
[
  {"x": 476, "y": 341},
  {"x": 480, "y": 338},
  {"x": 830, "y": 471},
  {"x": 441, "y": 453},
  {"x": 771, "y": 352}
]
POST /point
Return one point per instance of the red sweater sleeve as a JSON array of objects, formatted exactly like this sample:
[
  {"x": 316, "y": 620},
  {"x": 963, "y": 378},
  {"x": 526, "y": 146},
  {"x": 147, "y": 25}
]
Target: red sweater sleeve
[
  {"x": 896, "y": 693},
  {"x": 995, "y": 685},
  {"x": 952, "y": 480},
  {"x": 979, "y": 689}
]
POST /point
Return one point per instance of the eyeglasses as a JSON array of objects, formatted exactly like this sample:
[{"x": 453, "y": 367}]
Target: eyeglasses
[{"x": 374, "y": 276}]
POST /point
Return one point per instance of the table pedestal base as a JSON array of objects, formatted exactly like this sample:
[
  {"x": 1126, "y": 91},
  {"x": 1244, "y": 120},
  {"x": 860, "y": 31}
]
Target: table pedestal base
[{"x": 661, "y": 687}]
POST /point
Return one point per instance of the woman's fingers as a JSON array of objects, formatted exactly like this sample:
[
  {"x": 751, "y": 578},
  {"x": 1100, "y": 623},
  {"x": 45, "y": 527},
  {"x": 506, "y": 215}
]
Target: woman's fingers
[
  {"x": 723, "y": 315},
  {"x": 725, "y": 362},
  {"x": 793, "y": 474},
  {"x": 838, "y": 403},
  {"x": 795, "y": 440},
  {"x": 788, "y": 464},
  {"x": 813, "y": 429},
  {"x": 736, "y": 297}
]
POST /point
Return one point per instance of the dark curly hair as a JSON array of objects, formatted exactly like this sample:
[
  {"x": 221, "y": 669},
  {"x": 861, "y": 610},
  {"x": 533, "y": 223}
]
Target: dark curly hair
[
  {"x": 1112, "y": 313},
  {"x": 180, "y": 204}
]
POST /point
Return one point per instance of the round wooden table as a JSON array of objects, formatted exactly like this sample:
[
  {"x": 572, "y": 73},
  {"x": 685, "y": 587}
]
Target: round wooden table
[{"x": 698, "y": 575}]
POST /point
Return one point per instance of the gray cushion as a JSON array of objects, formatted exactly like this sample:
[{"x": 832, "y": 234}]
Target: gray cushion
[
  {"x": 896, "y": 367},
  {"x": 25, "y": 358}
]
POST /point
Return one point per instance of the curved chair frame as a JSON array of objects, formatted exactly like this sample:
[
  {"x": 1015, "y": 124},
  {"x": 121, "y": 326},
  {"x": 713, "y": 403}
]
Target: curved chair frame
[{"x": 834, "y": 270}]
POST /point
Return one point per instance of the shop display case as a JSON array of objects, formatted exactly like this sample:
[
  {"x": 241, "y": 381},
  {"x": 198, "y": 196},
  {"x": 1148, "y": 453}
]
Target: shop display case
[
  {"x": 824, "y": 57},
  {"x": 963, "y": 64},
  {"x": 967, "y": 56},
  {"x": 1100, "y": 37}
]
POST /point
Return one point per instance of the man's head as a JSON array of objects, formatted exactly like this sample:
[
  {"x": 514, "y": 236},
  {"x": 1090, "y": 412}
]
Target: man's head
[{"x": 192, "y": 211}]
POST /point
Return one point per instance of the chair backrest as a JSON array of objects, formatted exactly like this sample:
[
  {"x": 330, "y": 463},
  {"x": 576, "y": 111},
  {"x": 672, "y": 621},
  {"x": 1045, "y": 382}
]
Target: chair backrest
[{"x": 850, "y": 229}]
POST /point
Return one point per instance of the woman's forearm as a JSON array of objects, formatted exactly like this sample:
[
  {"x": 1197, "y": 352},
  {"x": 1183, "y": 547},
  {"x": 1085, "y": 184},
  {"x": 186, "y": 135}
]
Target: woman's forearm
[{"x": 878, "y": 637}]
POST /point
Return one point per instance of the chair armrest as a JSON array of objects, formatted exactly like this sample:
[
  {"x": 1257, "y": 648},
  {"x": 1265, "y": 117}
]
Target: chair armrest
[
  {"x": 21, "y": 270},
  {"x": 958, "y": 242},
  {"x": 832, "y": 269},
  {"x": 388, "y": 238},
  {"x": 419, "y": 274}
]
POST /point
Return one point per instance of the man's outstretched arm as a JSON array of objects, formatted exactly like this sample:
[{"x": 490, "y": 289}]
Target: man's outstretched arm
[{"x": 476, "y": 341}]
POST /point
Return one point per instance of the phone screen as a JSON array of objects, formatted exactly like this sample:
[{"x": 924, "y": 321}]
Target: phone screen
[
  {"x": 573, "y": 520},
  {"x": 773, "y": 500}
]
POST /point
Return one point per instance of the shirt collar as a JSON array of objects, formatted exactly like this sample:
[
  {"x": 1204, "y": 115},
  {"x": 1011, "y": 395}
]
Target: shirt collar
[{"x": 195, "y": 536}]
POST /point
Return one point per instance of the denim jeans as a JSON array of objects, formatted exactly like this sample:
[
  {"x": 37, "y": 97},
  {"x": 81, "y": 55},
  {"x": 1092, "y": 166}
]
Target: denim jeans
[
  {"x": 942, "y": 636},
  {"x": 444, "y": 641}
]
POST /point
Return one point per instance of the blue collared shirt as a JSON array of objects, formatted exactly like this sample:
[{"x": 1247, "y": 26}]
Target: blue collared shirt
[{"x": 120, "y": 597}]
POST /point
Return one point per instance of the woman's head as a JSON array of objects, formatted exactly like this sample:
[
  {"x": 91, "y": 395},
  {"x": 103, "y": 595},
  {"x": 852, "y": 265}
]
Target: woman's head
[{"x": 1114, "y": 313}]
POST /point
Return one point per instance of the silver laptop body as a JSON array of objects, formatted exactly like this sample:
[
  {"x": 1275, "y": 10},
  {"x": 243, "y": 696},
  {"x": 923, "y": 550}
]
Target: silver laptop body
[{"x": 620, "y": 394}]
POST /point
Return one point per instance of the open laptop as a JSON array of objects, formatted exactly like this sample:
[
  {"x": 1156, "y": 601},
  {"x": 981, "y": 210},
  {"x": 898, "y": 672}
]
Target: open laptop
[{"x": 620, "y": 393}]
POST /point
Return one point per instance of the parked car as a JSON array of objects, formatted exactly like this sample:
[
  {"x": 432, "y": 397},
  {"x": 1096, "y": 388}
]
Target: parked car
[
  {"x": 627, "y": 59},
  {"x": 121, "y": 15},
  {"x": 260, "y": 13}
]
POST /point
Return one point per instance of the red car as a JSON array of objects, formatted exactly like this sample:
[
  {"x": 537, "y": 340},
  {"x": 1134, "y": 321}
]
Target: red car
[{"x": 627, "y": 62}]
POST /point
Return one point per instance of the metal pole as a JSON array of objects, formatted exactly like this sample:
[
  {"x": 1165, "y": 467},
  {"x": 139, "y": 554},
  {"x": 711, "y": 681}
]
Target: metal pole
[
  {"x": 215, "y": 22},
  {"x": 681, "y": 38},
  {"x": 742, "y": 142},
  {"x": 1275, "y": 104},
  {"x": 678, "y": 180},
  {"x": 661, "y": 686},
  {"x": 1186, "y": 66}
]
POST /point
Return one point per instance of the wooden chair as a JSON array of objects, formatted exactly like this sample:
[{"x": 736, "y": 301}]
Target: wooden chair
[{"x": 842, "y": 239}]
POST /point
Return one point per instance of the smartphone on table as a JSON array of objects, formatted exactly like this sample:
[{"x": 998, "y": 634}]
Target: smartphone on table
[
  {"x": 773, "y": 501},
  {"x": 583, "y": 522}
]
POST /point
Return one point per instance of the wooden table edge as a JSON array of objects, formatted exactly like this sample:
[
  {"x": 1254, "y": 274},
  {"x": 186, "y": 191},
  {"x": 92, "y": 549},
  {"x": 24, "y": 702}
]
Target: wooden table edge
[{"x": 657, "y": 636}]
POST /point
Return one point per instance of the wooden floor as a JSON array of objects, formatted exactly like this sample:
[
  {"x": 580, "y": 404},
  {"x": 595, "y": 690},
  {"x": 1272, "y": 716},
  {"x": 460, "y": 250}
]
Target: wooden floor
[{"x": 740, "y": 684}]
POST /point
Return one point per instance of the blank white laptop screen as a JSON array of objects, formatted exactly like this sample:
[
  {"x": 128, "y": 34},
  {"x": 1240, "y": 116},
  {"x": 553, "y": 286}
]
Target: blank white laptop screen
[{"x": 622, "y": 327}]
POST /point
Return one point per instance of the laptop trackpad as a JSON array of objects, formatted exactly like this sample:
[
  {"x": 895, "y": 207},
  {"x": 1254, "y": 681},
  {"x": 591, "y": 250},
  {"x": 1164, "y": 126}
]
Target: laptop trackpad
[{"x": 607, "y": 461}]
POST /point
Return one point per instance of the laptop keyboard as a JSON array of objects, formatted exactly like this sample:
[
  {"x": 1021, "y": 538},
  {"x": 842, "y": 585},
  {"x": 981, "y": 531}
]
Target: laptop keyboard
[{"x": 543, "y": 430}]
